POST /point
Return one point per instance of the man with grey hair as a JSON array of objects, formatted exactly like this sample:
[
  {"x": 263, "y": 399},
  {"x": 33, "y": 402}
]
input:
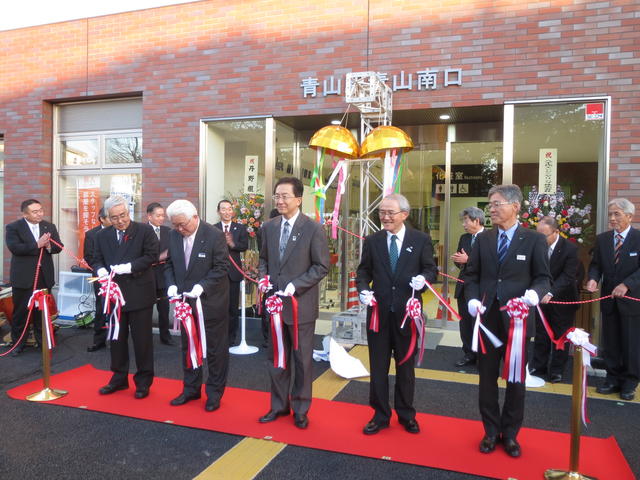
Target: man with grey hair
[
  {"x": 127, "y": 249},
  {"x": 473, "y": 224},
  {"x": 197, "y": 269},
  {"x": 616, "y": 262},
  {"x": 508, "y": 262},
  {"x": 395, "y": 265}
]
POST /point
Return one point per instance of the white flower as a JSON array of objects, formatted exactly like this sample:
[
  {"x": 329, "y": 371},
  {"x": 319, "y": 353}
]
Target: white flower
[
  {"x": 558, "y": 217},
  {"x": 545, "y": 203},
  {"x": 580, "y": 240},
  {"x": 526, "y": 202},
  {"x": 585, "y": 221},
  {"x": 573, "y": 197}
]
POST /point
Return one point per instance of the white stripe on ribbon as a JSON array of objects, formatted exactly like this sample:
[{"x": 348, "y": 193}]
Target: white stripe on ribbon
[
  {"x": 495, "y": 341},
  {"x": 277, "y": 325},
  {"x": 203, "y": 334}
]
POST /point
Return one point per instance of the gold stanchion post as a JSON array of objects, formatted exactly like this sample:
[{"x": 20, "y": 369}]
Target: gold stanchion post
[
  {"x": 576, "y": 419},
  {"x": 47, "y": 393}
]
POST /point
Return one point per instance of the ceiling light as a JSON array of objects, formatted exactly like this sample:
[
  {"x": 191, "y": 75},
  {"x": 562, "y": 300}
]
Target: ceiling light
[
  {"x": 445, "y": 117},
  {"x": 335, "y": 122}
]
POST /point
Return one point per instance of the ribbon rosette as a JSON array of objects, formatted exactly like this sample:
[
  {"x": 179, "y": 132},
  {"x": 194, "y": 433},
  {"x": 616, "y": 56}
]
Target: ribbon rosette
[
  {"x": 196, "y": 342},
  {"x": 274, "y": 306},
  {"x": 40, "y": 299},
  {"x": 112, "y": 295},
  {"x": 413, "y": 310},
  {"x": 263, "y": 288},
  {"x": 514, "y": 365}
]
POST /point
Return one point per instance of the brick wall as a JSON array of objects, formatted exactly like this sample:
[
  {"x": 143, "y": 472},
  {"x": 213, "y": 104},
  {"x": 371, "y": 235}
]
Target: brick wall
[{"x": 222, "y": 58}]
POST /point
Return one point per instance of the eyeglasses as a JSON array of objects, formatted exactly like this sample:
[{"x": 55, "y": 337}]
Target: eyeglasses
[
  {"x": 387, "y": 213},
  {"x": 285, "y": 198},
  {"x": 498, "y": 204},
  {"x": 122, "y": 216},
  {"x": 183, "y": 225}
]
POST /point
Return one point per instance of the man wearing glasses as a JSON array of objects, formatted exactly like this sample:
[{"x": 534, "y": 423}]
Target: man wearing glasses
[
  {"x": 293, "y": 259},
  {"x": 128, "y": 249},
  {"x": 395, "y": 265},
  {"x": 506, "y": 262},
  {"x": 197, "y": 268}
]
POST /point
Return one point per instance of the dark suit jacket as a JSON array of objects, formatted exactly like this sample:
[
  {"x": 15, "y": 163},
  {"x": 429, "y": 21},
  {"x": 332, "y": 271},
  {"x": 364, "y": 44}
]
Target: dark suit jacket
[
  {"x": 525, "y": 266},
  {"x": 627, "y": 270},
  {"x": 241, "y": 243},
  {"x": 89, "y": 243},
  {"x": 305, "y": 262},
  {"x": 25, "y": 252},
  {"x": 208, "y": 267},
  {"x": 158, "y": 269},
  {"x": 416, "y": 258},
  {"x": 563, "y": 265},
  {"x": 463, "y": 243},
  {"x": 140, "y": 248}
]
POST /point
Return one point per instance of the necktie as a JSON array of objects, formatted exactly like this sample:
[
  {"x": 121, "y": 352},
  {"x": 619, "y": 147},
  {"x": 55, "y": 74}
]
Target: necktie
[
  {"x": 284, "y": 238},
  {"x": 502, "y": 248},
  {"x": 120, "y": 236},
  {"x": 550, "y": 252},
  {"x": 157, "y": 229},
  {"x": 188, "y": 246},
  {"x": 616, "y": 255},
  {"x": 473, "y": 240},
  {"x": 226, "y": 229},
  {"x": 393, "y": 252}
]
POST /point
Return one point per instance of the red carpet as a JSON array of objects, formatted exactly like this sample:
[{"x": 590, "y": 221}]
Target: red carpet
[{"x": 446, "y": 443}]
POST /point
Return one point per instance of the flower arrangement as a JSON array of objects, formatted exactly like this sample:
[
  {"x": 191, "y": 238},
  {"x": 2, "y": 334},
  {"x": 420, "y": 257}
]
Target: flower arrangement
[
  {"x": 247, "y": 209},
  {"x": 572, "y": 213}
]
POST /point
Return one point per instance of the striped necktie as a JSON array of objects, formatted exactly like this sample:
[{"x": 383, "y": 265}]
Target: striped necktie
[
  {"x": 616, "y": 254},
  {"x": 503, "y": 247},
  {"x": 284, "y": 238}
]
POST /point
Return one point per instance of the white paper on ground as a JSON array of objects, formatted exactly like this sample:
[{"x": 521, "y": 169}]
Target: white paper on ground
[
  {"x": 322, "y": 355},
  {"x": 344, "y": 364}
]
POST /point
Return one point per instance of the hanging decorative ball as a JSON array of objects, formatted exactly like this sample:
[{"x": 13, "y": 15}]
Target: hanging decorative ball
[
  {"x": 384, "y": 138},
  {"x": 336, "y": 140}
]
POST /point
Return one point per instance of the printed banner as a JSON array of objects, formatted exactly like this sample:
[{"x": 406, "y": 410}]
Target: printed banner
[
  {"x": 250, "y": 173},
  {"x": 548, "y": 170},
  {"x": 88, "y": 207}
]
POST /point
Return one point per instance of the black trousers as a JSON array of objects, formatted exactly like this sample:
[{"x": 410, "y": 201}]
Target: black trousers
[
  {"x": 391, "y": 341},
  {"x": 139, "y": 323},
  {"x": 545, "y": 355},
  {"x": 20, "y": 298},
  {"x": 234, "y": 300},
  {"x": 466, "y": 327},
  {"x": 509, "y": 421},
  {"x": 217, "y": 361},
  {"x": 621, "y": 342},
  {"x": 99, "y": 320},
  {"x": 162, "y": 305}
]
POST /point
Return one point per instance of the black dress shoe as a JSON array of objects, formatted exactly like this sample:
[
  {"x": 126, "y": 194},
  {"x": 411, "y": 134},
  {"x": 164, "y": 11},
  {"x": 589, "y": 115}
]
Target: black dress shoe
[
  {"x": 411, "y": 426},
  {"x": 212, "y": 405},
  {"x": 140, "y": 394},
  {"x": 465, "y": 361},
  {"x": 628, "y": 395},
  {"x": 300, "y": 420},
  {"x": 109, "y": 389},
  {"x": 374, "y": 427},
  {"x": 272, "y": 415},
  {"x": 512, "y": 447},
  {"x": 96, "y": 346},
  {"x": 167, "y": 341},
  {"x": 182, "y": 399},
  {"x": 488, "y": 444},
  {"x": 607, "y": 388},
  {"x": 555, "y": 378}
]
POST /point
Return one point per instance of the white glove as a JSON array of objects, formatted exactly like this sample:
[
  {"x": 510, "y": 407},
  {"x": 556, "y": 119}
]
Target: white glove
[
  {"x": 418, "y": 282},
  {"x": 365, "y": 297},
  {"x": 261, "y": 284},
  {"x": 102, "y": 272},
  {"x": 195, "y": 292},
  {"x": 289, "y": 290},
  {"x": 122, "y": 269},
  {"x": 474, "y": 306},
  {"x": 531, "y": 298},
  {"x": 172, "y": 291}
]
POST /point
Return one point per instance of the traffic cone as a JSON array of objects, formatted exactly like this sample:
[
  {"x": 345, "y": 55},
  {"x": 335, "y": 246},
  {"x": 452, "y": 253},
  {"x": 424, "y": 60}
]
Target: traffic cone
[{"x": 352, "y": 296}]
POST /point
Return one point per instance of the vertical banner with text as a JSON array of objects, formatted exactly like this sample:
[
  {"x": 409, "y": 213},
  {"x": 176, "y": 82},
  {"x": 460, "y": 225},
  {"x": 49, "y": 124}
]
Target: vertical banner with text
[
  {"x": 548, "y": 168},
  {"x": 250, "y": 174},
  {"x": 88, "y": 207}
]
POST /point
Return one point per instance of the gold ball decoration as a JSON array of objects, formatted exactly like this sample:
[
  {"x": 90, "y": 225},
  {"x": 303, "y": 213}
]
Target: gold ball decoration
[
  {"x": 385, "y": 137},
  {"x": 336, "y": 140}
]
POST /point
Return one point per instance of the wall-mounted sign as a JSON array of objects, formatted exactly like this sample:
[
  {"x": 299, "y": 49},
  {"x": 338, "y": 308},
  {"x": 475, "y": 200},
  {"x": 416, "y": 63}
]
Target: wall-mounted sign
[
  {"x": 594, "y": 111},
  {"x": 250, "y": 173},
  {"x": 427, "y": 79},
  {"x": 548, "y": 169},
  {"x": 466, "y": 180}
]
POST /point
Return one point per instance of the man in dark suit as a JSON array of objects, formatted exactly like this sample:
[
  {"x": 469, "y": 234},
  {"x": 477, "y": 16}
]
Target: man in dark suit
[
  {"x": 396, "y": 262},
  {"x": 128, "y": 249},
  {"x": 295, "y": 256},
  {"x": 563, "y": 263},
  {"x": 99, "y": 329},
  {"x": 197, "y": 268},
  {"x": 237, "y": 240},
  {"x": 25, "y": 238},
  {"x": 616, "y": 262},
  {"x": 156, "y": 217},
  {"x": 473, "y": 224},
  {"x": 506, "y": 262}
]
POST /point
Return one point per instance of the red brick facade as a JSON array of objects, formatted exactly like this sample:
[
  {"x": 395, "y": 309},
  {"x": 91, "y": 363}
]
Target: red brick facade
[{"x": 236, "y": 58}]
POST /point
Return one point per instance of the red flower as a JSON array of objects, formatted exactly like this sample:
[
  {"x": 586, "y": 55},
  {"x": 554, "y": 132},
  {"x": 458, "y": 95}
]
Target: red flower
[
  {"x": 525, "y": 215},
  {"x": 536, "y": 210},
  {"x": 525, "y": 225},
  {"x": 565, "y": 212}
]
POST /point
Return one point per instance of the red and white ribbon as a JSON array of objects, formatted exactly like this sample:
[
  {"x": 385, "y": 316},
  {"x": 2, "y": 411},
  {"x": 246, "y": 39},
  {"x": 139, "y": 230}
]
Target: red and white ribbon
[
  {"x": 274, "y": 306},
  {"x": 112, "y": 295},
  {"x": 514, "y": 369},
  {"x": 580, "y": 338},
  {"x": 374, "y": 321},
  {"x": 341, "y": 169},
  {"x": 413, "y": 310},
  {"x": 263, "y": 288},
  {"x": 477, "y": 338},
  {"x": 40, "y": 299},
  {"x": 442, "y": 300},
  {"x": 196, "y": 340}
]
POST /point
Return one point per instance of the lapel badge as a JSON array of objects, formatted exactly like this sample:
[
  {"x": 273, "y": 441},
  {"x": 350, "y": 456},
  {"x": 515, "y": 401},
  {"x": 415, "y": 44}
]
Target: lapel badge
[
  {"x": 410, "y": 249},
  {"x": 294, "y": 238}
]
